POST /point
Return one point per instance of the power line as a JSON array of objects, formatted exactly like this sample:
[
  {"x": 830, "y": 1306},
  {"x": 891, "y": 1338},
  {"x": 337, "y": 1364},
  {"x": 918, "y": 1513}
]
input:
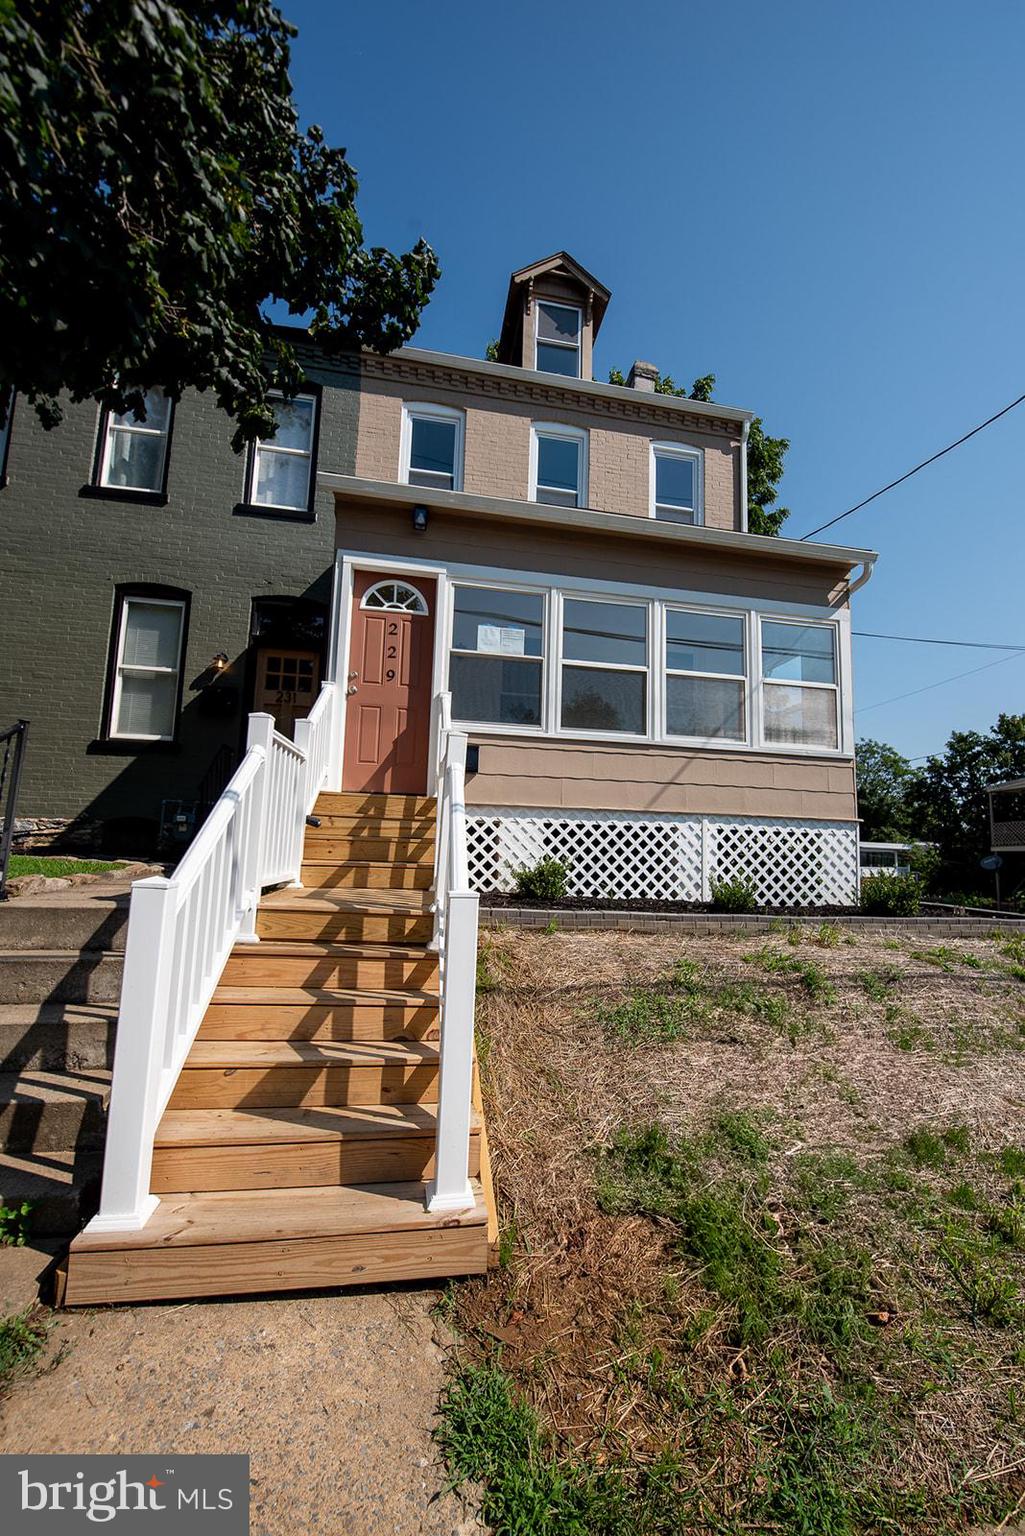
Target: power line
[
  {"x": 975, "y": 645},
  {"x": 943, "y": 680},
  {"x": 924, "y": 464}
]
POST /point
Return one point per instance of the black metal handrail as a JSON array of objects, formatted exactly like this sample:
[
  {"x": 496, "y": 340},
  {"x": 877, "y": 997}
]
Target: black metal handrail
[{"x": 12, "y": 756}]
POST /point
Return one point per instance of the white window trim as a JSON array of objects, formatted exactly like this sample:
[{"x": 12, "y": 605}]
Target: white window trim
[
  {"x": 121, "y": 667},
  {"x": 270, "y": 445},
  {"x": 569, "y": 731},
  {"x": 678, "y": 451},
  {"x": 396, "y": 581},
  {"x": 565, "y": 346},
  {"x": 743, "y": 678},
  {"x": 448, "y": 630},
  {"x": 140, "y": 429},
  {"x": 838, "y": 688},
  {"x": 578, "y": 435},
  {"x": 411, "y": 409}
]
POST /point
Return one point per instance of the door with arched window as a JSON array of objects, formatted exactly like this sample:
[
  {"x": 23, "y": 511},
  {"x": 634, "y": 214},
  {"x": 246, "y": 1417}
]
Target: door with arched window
[{"x": 388, "y": 708}]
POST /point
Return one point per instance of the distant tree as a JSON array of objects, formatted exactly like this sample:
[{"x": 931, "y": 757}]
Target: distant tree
[
  {"x": 765, "y": 456},
  {"x": 491, "y": 351},
  {"x": 885, "y": 781},
  {"x": 947, "y": 800},
  {"x": 155, "y": 192}
]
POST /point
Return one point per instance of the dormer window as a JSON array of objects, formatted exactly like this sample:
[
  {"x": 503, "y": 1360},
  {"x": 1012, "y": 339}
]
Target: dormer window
[
  {"x": 558, "y": 339},
  {"x": 432, "y": 447}
]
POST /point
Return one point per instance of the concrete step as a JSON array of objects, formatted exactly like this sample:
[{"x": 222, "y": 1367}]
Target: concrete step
[
  {"x": 62, "y": 1187},
  {"x": 64, "y": 923},
  {"x": 60, "y": 976},
  {"x": 56, "y": 1037},
  {"x": 53, "y": 1111}
]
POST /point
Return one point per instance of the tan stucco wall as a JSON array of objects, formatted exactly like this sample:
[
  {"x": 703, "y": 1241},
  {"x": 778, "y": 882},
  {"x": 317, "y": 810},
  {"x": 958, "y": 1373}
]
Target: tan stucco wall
[{"x": 497, "y": 448}]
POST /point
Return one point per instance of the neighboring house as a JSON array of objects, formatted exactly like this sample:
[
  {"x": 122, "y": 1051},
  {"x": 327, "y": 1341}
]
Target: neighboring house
[{"x": 156, "y": 588}]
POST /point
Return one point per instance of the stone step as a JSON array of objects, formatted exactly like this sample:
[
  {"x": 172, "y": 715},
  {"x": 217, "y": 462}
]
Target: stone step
[
  {"x": 64, "y": 924},
  {"x": 53, "y": 1111},
  {"x": 56, "y": 1037},
  {"x": 63, "y": 1188},
  {"x": 60, "y": 976}
]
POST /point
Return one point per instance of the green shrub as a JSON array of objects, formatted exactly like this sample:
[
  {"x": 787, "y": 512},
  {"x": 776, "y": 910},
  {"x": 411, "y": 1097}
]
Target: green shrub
[
  {"x": 735, "y": 895},
  {"x": 891, "y": 895},
  {"x": 543, "y": 881},
  {"x": 15, "y": 1221}
]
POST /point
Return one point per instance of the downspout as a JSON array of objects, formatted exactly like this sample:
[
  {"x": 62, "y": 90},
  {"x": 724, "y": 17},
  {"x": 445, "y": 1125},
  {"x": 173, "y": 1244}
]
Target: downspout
[
  {"x": 743, "y": 476},
  {"x": 867, "y": 567}
]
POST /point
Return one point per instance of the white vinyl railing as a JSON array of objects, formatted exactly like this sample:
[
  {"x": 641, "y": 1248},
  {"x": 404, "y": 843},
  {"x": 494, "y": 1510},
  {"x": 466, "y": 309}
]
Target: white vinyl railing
[
  {"x": 181, "y": 930},
  {"x": 455, "y": 937}
]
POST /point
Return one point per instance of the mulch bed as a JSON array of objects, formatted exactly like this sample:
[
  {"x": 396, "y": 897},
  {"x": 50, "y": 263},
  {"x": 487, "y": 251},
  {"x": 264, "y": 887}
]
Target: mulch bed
[{"x": 646, "y": 904}]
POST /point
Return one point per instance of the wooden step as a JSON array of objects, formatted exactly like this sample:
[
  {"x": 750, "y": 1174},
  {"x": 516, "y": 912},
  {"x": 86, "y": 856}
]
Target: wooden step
[
  {"x": 325, "y": 845},
  {"x": 202, "y": 1149},
  {"x": 373, "y": 917},
  {"x": 381, "y": 826},
  {"x": 299, "y": 1013},
  {"x": 291, "y": 964},
  {"x": 241, "y": 1241},
  {"x": 356, "y": 803},
  {"x": 365, "y": 874},
  {"x": 247, "y": 1074}
]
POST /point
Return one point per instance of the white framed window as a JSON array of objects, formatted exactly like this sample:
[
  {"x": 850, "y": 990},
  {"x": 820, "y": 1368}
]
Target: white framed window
[
  {"x": 280, "y": 467},
  {"x": 677, "y": 488},
  {"x": 497, "y": 656},
  {"x": 800, "y": 691},
  {"x": 557, "y": 332},
  {"x": 558, "y": 465},
  {"x": 395, "y": 597},
  {"x": 147, "y": 665},
  {"x": 705, "y": 675},
  {"x": 432, "y": 446},
  {"x": 604, "y": 668},
  {"x": 133, "y": 453}
]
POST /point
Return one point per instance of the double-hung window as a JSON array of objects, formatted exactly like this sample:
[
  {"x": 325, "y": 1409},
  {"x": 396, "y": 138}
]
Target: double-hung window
[
  {"x": 147, "y": 665},
  {"x": 497, "y": 658},
  {"x": 280, "y": 470},
  {"x": 133, "y": 451},
  {"x": 557, "y": 339},
  {"x": 800, "y": 705},
  {"x": 676, "y": 487},
  {"x": 604, "y": 666},
  {"x": 705, "y": 675},
  {"x": 432, "y": 447},
  {"x": 558, "y": 465}
]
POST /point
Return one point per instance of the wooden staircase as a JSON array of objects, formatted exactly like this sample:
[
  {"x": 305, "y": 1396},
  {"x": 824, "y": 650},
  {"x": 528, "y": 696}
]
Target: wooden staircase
[{"x": 295, "y": 1147}]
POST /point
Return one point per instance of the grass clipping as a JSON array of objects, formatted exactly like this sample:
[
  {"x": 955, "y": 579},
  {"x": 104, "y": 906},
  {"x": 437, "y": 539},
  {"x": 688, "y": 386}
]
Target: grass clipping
[{"x": 764, "y": 1238}]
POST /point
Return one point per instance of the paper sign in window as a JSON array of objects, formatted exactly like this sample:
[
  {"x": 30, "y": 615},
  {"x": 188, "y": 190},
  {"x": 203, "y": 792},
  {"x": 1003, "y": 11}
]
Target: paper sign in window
[{"x": 495, "y": 640}]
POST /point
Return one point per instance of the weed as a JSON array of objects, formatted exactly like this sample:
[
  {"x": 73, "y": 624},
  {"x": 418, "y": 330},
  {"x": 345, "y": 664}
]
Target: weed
[
  {"x": 925, "y": 1148},
  {"x": 878, "y": 984},
  {"x": 829, "y": 936},
  {"x": 825, "y": 1181},
  {"x": 1012, "y": 1161},
  {"x": 946, "y": 959},
  {"x": 508, "y": 1238},
  {"x": 15, "y": 1221},
  {"x": 957, "y": 1138},
  {"x": 22, "y": 1337},
  {"x": 734, "y": 895},
  {"x": 551, "y": 927},
  {"x": 906, "y": 1032},
  {"x": 813, "y": 979},
  {"x": 488, "y": 977},
  {"x": 740, "y": 1133},
  {"x": 652, "y": 1017}
]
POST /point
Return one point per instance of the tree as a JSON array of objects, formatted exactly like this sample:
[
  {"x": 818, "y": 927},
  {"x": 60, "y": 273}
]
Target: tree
[
  {"x": 948, "y": 803},
  {"x": 156, "y": 192},
  {"x": 765, "y": 456},
  {"x": 885, "y": 781}
]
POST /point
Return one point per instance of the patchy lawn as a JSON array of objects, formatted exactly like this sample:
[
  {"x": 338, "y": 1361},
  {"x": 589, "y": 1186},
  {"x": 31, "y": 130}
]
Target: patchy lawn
[
  {"x": 46, "y": 864},
  {"x": 764, "y": 1251}
]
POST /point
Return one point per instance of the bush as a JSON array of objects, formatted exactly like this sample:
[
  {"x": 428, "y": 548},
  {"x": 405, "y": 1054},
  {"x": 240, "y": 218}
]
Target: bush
[
  {"x": 891, "y": 895},
  {"x": 543, "y": 881},
  {"x": 736, "y": 895}
]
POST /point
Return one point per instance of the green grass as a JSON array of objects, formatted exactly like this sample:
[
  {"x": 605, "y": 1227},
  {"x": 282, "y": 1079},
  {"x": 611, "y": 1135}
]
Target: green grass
[
  {"x": 812, "y": 978},
  {"x": 22, "y": 1337},
  {"x": 671, "y": 1008},
  {"x": 32, "y": 864},
  {"x": 878, "y": 984}
]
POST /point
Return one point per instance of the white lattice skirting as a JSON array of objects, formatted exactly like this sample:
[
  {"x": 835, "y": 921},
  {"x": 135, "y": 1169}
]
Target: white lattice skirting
[{"x": 668, "y": 858}]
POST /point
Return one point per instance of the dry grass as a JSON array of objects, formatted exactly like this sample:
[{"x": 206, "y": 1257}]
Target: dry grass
[{"x": 811, "y": 1102}]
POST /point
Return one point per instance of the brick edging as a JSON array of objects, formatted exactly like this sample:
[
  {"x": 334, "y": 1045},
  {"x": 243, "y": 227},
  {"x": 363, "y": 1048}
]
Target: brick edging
[{"x": 719, "y": 923}]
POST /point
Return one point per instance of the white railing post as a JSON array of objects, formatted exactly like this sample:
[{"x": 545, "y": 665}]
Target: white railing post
[
  {"x": 450, "y": 1189},
  {"x": 126, "y": 1203},
  {"x": 304, "y": 740},
  {"x": 261, "y": 735}
]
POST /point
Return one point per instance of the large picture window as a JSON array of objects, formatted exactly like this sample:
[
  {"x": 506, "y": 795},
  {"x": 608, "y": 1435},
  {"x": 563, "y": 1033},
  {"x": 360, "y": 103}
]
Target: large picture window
[
  {"x": 705, "y": 675},
  {"x": 280, "y": 474},
  {"x": 133, "y": 452},
  {"x": 604, "y": 666},
  {"x": 497, "y": 657},
  {"x": 799, "y": 684},
  {"x": 147, "y": 666}
]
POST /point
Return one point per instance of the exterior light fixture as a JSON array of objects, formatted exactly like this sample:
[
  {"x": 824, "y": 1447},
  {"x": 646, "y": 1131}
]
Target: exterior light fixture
[
  {"x": 420, "y": 519},
  {"x": 220, "y": 661}
]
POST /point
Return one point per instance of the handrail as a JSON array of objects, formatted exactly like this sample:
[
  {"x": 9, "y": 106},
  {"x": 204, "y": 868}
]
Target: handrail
[
  {"x": 12, "y": 756},
  {"x": 181, "y": 931}
]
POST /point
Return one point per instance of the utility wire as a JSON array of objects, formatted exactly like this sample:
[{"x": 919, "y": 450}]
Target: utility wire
[
  {"x": 1015, "y": 656},
  {"x": 924, "y": 464},
  {"x": 975, "y": 645}
]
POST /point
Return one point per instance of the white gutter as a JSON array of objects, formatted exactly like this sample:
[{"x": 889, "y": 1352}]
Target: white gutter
[{"x": 743, "y": 476}]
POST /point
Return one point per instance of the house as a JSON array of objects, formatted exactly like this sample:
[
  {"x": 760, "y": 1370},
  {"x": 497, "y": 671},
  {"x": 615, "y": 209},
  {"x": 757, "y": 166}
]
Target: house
[{"x": 550, "y": 632}]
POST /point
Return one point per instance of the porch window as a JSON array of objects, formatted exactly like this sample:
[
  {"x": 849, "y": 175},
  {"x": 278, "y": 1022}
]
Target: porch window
[
  {"x": 799, "y": 684},
  {"x": 557, "y": 347},
  {"x": 604, "y": 666},
  {"x": 497, "y": 658},
  {"x": 676, "y": 483},
  {"x": 133, "y": 453},
  {"x": 558, "y": 466},
  {"x": 705, "y": 675},
  {"x": 432, "y": 447},
  {"x": 281, "y": 466},
  {"x": 144, "y": 702}
]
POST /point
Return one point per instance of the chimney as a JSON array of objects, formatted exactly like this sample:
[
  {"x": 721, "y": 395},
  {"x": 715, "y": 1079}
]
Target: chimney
[{"x": 643, "y": 376}]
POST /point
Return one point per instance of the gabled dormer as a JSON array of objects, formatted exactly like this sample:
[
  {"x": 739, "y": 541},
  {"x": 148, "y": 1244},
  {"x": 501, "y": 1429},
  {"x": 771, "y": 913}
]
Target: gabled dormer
[{"x": 552, "y": 315}]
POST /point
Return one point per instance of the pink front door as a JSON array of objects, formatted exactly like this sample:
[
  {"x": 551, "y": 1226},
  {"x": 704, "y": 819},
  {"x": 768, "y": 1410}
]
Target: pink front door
[{"x": 388, "y": 707}]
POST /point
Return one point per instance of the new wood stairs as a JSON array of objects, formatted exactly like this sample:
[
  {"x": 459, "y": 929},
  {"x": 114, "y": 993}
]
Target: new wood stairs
[{"x": 295, "y": 1147}]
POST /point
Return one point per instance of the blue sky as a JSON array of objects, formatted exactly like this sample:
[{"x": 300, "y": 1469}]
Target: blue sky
[{"x": 819, "y": 202}]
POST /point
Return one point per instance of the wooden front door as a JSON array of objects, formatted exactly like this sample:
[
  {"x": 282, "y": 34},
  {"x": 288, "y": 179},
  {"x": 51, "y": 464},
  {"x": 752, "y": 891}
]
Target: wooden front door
[
  {"x": 287, "y": 684},
  {"x": 388, "y": 704}
]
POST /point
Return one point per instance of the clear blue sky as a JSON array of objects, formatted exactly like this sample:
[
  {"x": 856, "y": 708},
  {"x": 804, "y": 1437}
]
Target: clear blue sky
[{"x": 819, "y": 202}]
